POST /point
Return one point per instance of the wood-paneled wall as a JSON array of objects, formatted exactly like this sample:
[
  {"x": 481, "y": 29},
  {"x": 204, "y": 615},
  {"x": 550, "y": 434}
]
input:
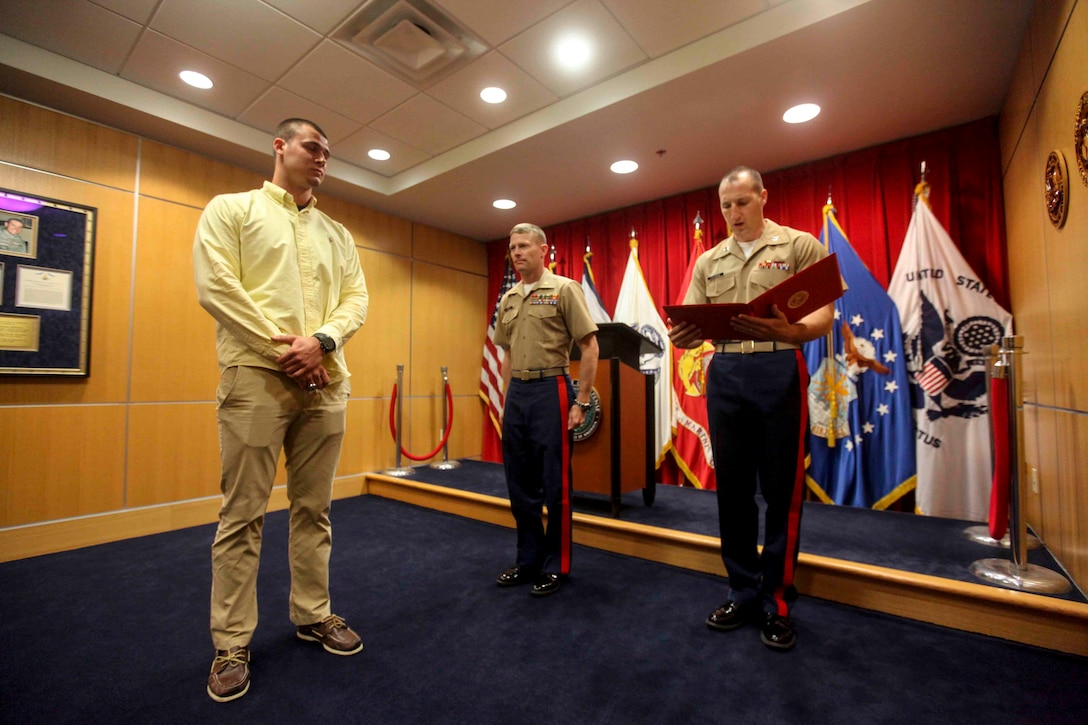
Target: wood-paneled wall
[
  {"x": 133, "y": 448},
  {"x": 1047, "y": 278}
]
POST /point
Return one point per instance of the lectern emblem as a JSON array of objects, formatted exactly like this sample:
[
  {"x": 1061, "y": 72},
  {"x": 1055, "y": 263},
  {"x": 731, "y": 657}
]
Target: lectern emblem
[{"x": 592, "y": 420}]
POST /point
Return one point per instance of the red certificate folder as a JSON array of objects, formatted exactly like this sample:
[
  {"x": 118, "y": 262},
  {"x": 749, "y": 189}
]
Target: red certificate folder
[{"x": 804, "y": 292}]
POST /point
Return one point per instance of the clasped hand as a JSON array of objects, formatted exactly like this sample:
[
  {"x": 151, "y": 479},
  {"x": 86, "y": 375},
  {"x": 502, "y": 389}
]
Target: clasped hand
[{"x": 303, "y": 361}]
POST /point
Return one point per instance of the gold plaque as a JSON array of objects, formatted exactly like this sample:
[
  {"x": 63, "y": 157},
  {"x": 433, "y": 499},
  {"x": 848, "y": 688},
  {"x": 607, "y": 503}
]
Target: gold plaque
[
  {"x": 20, "y": 332},
  {"x": 1080, "y": 138},
  {"x": 1056, "y": 184}
]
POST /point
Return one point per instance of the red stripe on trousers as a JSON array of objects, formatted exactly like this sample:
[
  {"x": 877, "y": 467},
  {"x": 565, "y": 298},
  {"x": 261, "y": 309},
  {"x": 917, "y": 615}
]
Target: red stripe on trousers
[
  {"x": 564, "y": 525},
  {"x": 793, "y": 524}
]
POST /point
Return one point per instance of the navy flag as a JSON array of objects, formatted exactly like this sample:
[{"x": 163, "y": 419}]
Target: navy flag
[{"x": 861, "y": 426}]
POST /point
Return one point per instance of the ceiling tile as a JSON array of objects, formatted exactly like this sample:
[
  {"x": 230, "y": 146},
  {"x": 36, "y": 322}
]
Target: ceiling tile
[
  {"x": 321, "y": 16},
  {"x": 499, "y": 20},
  {"x": 428, "y": 125},
  {"x": 354, "y": 150},
  {"x": 613, "y": 49},
  {"x": 156, "y": 61},
  {"x": 660, "y": 26},
  {"x": 138, "y": 10},
  {"x": 339, "y": 79},
  {"x": 74, "y": 29},
  {"x": 461, "y": 91},
  {"x": 278, "y": 104},
  {"x": 247, "y": 33}
]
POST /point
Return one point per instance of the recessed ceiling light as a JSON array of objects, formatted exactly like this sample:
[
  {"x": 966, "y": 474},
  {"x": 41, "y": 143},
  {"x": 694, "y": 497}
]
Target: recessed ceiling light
[
  {"x": 801, "y": 113},
  {"x": 493, "y": 95},
  {"x": 503, "y": 204},
  {"x": 196, "y": 80},
  {"x": 572, "y": 52},
  {"x": 378, "y": 154},
  {"x": 624, "y": 167}
]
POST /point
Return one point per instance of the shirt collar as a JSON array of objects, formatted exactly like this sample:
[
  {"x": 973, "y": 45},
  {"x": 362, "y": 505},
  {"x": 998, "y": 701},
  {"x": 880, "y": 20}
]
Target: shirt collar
[{"x": 284, "y": 198}]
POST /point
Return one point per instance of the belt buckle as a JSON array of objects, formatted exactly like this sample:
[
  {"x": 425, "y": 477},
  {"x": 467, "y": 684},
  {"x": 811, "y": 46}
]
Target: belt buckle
[
  {"x": 523, "y": 375},
  {"x": 747, "y": 346}
]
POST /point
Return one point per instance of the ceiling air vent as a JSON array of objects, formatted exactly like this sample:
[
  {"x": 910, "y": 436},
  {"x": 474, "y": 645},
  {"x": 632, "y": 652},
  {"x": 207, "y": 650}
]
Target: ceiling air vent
[{"x": 410, "y": 38}]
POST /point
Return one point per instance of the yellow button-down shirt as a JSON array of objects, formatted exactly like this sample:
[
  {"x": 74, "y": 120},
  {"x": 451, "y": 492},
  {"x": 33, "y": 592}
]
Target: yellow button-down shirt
[{"x": 263, "y": 267}]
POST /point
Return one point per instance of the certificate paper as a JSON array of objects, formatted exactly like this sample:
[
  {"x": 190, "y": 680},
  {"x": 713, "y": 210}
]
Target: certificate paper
[
  {"x": 45, "y": 289},
  {"x": 804, "y": 292}
]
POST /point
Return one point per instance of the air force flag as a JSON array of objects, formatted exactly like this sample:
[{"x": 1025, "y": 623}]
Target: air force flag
[{"x": 861, "y": 432}]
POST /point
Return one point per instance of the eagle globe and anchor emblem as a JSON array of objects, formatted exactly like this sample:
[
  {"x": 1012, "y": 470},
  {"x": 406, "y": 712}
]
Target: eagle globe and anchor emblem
[{"x": 592, "y": 420}]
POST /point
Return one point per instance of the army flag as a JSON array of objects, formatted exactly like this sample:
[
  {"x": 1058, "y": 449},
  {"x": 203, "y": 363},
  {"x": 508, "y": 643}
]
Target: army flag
[
  {"x": 691, "y": 447},
  {"x": 949, "y": 322},
  {"x": 491, "y": 377},
  {"x": 861, "y": 429},
  {"x": 593, "y": 297},
  {"x": 635, "y": 307}
]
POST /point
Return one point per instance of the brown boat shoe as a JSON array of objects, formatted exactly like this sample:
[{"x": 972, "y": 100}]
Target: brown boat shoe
[
  {"x": 334, "y": 635},
  {"x": 229, "y": 678}
]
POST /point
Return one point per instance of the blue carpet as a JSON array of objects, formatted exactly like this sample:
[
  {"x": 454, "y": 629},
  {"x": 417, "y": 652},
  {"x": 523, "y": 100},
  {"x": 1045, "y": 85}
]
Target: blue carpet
[
  {"x": 117, "y": 633},
  {"x": 918, "y": 544}
]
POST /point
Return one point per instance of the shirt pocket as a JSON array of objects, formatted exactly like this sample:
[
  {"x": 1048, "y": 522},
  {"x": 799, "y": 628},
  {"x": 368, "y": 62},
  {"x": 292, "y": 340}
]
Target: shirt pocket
[
  {"x": 510, "y": 314},
  {"x": 720, "y": 285},
  {"x": 764, "y": 279},
  {"x": 543, "y": 311}
]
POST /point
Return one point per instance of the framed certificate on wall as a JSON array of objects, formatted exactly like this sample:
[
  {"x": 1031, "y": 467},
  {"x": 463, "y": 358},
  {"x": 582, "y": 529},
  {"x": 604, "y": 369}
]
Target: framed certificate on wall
[{"x": 46, "y": 274}]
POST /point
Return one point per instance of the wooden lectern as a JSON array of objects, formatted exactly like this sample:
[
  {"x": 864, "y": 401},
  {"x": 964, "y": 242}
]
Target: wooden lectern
[{"x": 618, "y": 457}]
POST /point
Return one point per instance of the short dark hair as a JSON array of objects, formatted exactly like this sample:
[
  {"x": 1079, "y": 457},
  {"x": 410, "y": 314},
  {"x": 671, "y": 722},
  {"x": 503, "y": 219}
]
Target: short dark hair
[
  {"x": 289, "y": 127},
  {"x": 738, "y": 171}
]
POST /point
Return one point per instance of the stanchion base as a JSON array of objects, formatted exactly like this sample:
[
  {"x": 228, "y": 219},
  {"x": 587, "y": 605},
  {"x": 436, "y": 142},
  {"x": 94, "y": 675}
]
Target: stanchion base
[
  {"x": 1028, "y": 578},
  {"x": 401, "y": 472},
  {"x": 446, "y": 465},
  {"x": 981, "y": 535}
]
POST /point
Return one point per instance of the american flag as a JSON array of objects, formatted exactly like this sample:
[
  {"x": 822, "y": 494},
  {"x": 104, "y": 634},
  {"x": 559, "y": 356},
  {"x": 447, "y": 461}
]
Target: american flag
[
  {"x": 491, "y": 371},
  {"x": 934, "y": 376}
]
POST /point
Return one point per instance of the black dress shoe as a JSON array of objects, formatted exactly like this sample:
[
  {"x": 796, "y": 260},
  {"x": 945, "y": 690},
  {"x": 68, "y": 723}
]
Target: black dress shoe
[
  {"x": 776, "y": 632},
  {"x": 546, "y": 584},
  {"x": 515, "y": 575},
  {"x": 728, "y": 616}
]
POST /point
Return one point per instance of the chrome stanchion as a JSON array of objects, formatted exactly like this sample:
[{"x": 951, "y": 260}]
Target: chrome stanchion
[
  {"x": 1017, "y": 573},
  {"x": 445, "y": 464},
  {"x": 995, "y": 368},
  {"x": 399, "y": 470}
]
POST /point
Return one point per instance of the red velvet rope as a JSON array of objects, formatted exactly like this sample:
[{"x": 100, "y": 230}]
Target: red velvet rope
[
  {"x": 999, "y": 492},
  {"x": 449, "y": 425}
]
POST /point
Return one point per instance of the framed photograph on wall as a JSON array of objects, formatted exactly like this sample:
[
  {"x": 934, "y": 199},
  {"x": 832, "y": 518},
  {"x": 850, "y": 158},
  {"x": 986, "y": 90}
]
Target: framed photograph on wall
[{"x": 46, "y": 275}]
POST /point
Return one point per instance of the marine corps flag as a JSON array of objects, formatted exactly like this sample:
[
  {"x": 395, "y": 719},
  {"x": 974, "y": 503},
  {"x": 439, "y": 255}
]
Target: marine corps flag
[
  {"x": 861, "y": 431},
  {"x": 635, "y": 307},
  {"x": 491, "y": 377},
  {"x": 690, "y": 426},
  {"x": 949, "y": 322}
]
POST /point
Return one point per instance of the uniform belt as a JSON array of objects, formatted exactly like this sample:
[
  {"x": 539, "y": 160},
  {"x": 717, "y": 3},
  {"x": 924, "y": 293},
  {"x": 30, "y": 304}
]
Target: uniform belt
[
  {"x": 538, "y": 374},
  {"x": 746, "y": 346}
]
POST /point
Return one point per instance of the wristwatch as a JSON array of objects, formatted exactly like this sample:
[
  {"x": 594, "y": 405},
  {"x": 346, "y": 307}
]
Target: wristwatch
[
  {"x": 327, "y": 343},
  {"x": 586, "y": 407}
]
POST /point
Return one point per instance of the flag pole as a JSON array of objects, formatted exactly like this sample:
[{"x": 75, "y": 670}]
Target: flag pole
[{"x": 832, "y": 392}]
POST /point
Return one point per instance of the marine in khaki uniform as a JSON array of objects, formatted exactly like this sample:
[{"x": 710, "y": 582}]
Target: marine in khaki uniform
[
  {"x": 756, "y": 404},
  {"x": 539, "y": 320}
]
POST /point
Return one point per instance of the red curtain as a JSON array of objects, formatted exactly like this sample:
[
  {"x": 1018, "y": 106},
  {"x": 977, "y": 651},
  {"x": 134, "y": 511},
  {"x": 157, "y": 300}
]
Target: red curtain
[{"x": 872, "y": 190}]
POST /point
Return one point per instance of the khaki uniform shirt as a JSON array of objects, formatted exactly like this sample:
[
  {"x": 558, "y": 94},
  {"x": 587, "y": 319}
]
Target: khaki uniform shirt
[
  {"x": 265, "y": 268},
  {"x": 539, "y": 328},
  {"x": 722, "y": 274}
]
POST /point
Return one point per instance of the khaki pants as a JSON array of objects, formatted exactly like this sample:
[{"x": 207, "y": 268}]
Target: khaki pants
[{"x": 262, "y": 412}]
